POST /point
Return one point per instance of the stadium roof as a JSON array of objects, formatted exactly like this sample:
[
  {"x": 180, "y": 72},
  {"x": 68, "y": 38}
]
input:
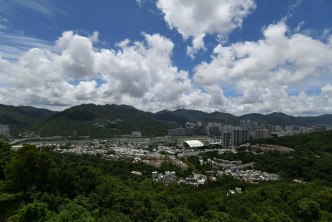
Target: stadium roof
[{"x": 194, "y": 143}]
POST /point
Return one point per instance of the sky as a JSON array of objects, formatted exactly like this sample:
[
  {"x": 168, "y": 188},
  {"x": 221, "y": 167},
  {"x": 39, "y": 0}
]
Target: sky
[{"x": 234, "y": 56}]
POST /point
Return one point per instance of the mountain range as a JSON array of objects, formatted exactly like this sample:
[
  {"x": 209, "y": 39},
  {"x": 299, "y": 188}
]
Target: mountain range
[
  {"x": 22, "y": 117},
  {"x": 112, "y": 120}
]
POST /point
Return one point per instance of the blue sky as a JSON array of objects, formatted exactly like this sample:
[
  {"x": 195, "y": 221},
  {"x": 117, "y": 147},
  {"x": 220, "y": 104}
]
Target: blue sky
[{"x": 238, "y": 56}]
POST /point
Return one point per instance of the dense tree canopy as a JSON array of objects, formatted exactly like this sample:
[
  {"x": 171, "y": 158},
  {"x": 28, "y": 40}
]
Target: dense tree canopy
[{"x": 46, "y": 186}]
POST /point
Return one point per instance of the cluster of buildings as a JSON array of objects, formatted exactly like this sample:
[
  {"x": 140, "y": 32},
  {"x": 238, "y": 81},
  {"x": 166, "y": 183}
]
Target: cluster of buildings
[
  {"x": 248, "y": 130},
  {"x": 231, "y": 135},
  {"x": 234, "y": 191},
  {"x": 197, "y": 179},
  {"x": 251, "y": 175},
  {"x": 134, "y": 134},
  {"x": 175, "y": 151},
  {"x": 220, "y": 168},
  {"x": 238, "y": 170},
  {"x": 191, "y": 129},
  {"x": 136, "y": 153},
  {"x": 280, "y": 131},
  {"x": 270, "y": 147},
  {"x": 166, "y": 178},
  {"x": 226, "y": 164}
]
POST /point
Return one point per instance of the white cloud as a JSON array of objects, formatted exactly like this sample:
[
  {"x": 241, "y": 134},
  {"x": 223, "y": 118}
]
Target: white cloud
[
  {"x": 77, "y": 59},
  {"x": 281, "y": 72},
  {"x": 136, "y": 73},
  {"x": 264, "y": 71},
  {"x": 198, "y": 43},
  {"x": 195, "y": 18},
  {"x": 326, "y": 33},
  {"x": 299, "y": 27}
]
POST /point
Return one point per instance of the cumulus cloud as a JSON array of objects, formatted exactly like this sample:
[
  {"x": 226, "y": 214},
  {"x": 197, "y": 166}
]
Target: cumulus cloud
[
  {"x": 138, "y": 73},
  {"x": 195, "y": 18},
  {"x": 284, "y": 71},
  {"x": 265, "y": 70},
  {"x": 197, "y": 44}
]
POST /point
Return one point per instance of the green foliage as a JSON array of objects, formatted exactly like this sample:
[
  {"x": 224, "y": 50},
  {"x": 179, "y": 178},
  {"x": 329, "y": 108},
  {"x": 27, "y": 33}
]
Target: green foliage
[
  {"x": 4, "y": 157},
  {"x": 32, "y": 212},
  {"x": 71, "y": 212},
  {"x": 308, "y": 209},
  {"x": 22, "y": 117},
  {"x": 166, "y": 216},
  {"x": 29, "y": 168},
  {"x": 315, "y": 142},
  {"x": 168, "y": 166},
  {"x": 75, "y": 179},
  {"x": 88, "y": 188},
  {"x": 101, "y": 121},
  {"x": 193, "y": 161},
  {"x": 312, "y": 159},
  {"x": 114, "y": 216}
]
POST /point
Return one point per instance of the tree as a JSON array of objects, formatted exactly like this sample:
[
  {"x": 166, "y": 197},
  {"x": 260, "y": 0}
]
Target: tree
[
  {"x": 32, "y": 212},
  {"x": 308, "y": 209},
  {"x": 4, "y": 157},
  {"x": 72, "y": 212},
  {"x": 166, "y": 216},
  {"x": 30, "y": 168}
]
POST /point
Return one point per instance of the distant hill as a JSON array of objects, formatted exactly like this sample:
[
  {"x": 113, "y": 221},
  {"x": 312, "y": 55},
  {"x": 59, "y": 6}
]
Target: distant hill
[
  {"x": 101, "y": 121},
  {"x": 21, "y": 117},
  {"x": 223, "y": 118},
  {"x": 283, "y": 119},
  {"x": 169, "y": 116},
  {"x": 111, "y": 120},
  {"x": 191, "y": 115},
  {"x": 183, "y": 115},
  {"x": 273, "y": 118}
]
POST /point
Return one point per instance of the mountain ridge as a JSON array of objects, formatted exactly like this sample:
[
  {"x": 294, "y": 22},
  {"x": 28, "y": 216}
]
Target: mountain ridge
[{"x": 112, "y": 119}]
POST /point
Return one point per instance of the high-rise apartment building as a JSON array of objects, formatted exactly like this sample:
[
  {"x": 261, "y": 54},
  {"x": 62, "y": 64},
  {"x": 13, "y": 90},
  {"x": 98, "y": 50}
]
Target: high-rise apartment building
[
  {"x": 239, "y": 136},
  {"x": 226, "y": 139}
]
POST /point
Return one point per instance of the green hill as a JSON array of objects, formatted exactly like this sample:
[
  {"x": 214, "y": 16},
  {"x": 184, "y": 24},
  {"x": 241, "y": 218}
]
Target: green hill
[
  {"x": 191, "y": 115},
  {"x": 169, "y": 116},
  {"x": 182, "y": 115},
  {"x": 111, "y": 120},
  {"x": 283, "y": 119},
  {"x": 223, "y": 118},
  {"x": 22, "y": 117},
  {"x": 101, "y": 121}
]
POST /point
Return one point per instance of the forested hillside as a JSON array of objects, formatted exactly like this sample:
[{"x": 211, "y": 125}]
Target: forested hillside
[
  {"x": 114, "y": 120},
  {"x": 22, "y": 117},
  {"x": 182, "y": 115},
  {"x": 101, "y": 121},
  {"x": 46, "y": 186}
]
